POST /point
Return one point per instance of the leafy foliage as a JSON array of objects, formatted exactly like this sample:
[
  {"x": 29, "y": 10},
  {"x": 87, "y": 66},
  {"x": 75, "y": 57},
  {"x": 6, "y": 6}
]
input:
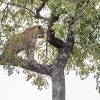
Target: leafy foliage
[{"x": 85, "y": 58}]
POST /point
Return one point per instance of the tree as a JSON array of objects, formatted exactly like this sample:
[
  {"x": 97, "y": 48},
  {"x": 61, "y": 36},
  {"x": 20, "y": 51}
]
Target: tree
[{"x": 73, "y": 38}]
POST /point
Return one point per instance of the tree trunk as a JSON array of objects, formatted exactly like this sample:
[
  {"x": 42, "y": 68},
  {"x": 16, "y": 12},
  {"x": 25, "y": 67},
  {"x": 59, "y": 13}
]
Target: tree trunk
[{"x": 58, "y": 83}]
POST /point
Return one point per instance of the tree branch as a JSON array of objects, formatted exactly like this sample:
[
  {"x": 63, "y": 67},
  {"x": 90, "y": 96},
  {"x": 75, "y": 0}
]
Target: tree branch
[
  {"x": 28, "y": 9},
  {"x": 70, "y": 35},
  {"x": 41, "y": 7},
  {"x": 51, "y": 35},
  {"x": 30, "y": 65},
  {"x": 77, "y": 14},
  {"x": 56, "y": 42},
  {"x": 64, "y": 53}
]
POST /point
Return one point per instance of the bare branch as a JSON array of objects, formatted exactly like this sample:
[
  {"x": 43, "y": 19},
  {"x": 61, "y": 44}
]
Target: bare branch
[
  {"x": 28, "y": 9},
  {"x": 56, "y": 42},
  {"x": 51, "y": 35},
  {"x": 30, "y": 65}
]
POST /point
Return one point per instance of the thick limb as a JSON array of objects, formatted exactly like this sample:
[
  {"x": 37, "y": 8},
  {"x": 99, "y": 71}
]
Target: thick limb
[{"x": 54, "y": 40}]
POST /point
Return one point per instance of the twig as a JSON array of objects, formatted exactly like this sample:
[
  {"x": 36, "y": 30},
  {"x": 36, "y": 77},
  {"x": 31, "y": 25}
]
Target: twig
[{"x": 32, "y": 12}]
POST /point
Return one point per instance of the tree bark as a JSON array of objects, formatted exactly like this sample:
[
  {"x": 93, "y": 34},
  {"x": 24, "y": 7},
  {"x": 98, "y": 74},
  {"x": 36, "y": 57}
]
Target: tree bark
[
  {"x": 58, "y": 83},
  {"x": 64, "y": 50}
]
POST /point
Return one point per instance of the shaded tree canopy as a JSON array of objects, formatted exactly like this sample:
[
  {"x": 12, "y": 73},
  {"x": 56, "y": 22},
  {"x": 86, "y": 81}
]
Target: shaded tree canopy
[{"x": 72, "y": 24}]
